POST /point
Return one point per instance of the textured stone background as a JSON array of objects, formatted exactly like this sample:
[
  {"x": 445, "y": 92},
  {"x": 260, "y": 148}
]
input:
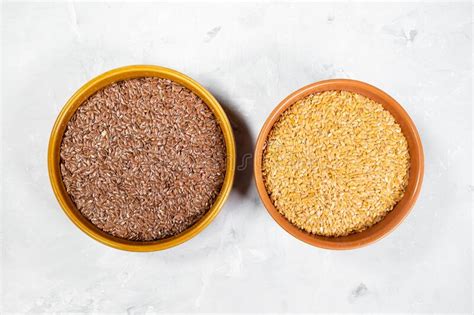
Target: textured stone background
[{"x": 250, "y": 56}]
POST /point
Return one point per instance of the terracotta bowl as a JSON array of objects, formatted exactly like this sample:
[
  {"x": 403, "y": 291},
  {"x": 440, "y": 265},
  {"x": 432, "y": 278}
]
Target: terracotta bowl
[
  {"x": 68, "y": 111},
  {"x": 393, "y": 218}
]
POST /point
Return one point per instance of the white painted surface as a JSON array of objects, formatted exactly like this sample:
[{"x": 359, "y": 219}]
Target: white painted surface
[{"x": 250, "y": 56}]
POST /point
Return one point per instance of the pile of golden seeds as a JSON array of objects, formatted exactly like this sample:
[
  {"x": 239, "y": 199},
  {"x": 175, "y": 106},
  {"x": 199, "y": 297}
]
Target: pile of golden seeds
[{"x": 335, "y": 163}]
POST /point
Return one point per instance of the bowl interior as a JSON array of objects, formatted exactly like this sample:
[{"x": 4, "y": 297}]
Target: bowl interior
[
  {"x": 394, "y": 217},
  {"x": 68, "y": 111}
]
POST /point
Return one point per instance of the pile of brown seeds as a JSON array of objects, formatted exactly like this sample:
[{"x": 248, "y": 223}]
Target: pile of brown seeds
[
  {"x": 143, "y": 159},
  {"x": 335, "y": 163}
]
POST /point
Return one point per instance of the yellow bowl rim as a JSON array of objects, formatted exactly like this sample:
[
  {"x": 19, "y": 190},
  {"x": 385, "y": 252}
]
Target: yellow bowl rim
[{"x": 79, "y": 97}]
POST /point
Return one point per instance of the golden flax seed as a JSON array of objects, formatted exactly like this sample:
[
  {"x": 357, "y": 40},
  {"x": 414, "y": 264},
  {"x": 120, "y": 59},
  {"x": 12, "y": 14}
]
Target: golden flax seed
[{"x": 335, "y": 163}]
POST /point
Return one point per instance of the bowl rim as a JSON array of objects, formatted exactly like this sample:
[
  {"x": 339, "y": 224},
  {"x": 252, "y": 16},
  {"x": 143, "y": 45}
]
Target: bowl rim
[
  {"x": 89, "y": 88},
  {"x": 400, "y": 211}
]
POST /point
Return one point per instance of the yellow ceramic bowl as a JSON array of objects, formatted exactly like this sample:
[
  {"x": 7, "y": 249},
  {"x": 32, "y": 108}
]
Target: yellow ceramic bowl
[{"x": 68, "y": 111}]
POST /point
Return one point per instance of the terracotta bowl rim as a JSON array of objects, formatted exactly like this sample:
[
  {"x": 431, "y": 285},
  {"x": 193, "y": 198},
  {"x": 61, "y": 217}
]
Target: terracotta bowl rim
[{"x": 400, "y": 211}]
